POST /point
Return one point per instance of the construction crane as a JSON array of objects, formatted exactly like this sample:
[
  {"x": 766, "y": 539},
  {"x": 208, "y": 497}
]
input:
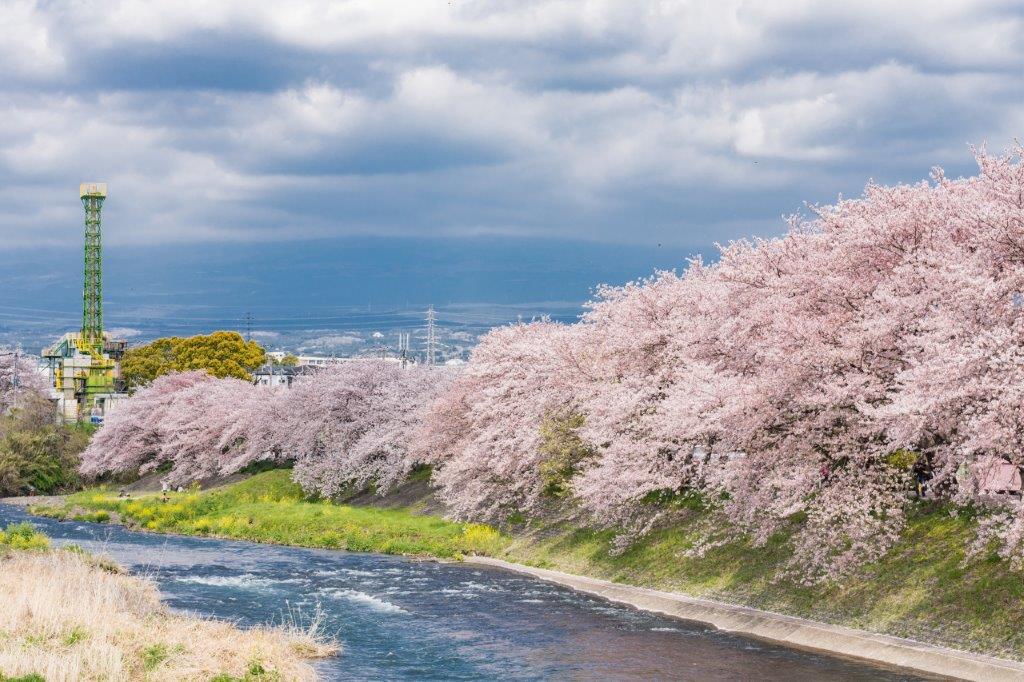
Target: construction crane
[{"x": 85, "y": 365}]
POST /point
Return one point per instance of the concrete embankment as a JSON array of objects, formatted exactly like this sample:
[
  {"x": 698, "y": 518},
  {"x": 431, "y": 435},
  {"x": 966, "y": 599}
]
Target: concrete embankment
[{"x": 788, "y": 630}]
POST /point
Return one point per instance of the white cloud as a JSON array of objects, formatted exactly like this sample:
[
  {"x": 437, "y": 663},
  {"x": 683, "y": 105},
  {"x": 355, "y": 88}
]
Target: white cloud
[
  {"x": 28, "y": 48},
  {"x": 782, "y": 130},
  {"x": 604, "y": 119}
]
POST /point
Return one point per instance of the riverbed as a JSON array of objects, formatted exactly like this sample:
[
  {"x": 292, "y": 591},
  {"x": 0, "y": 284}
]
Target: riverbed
[{"x": 404, "y": 619}]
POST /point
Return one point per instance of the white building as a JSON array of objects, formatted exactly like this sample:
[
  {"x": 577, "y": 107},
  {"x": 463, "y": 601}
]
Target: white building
[
  {"x": 319, "y": 361},
  {"x": 274, "y": 375}
]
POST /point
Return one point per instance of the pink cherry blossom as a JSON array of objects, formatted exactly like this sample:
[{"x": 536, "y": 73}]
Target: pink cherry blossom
[
  {"x": 793, "y": 375},
  {"x": 870, "y": 354},
  {"x": 351, "y": 424}
]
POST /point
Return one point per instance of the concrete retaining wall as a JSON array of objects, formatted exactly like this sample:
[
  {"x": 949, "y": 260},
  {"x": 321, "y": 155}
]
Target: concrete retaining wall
[{"x": 788, "y": 630}]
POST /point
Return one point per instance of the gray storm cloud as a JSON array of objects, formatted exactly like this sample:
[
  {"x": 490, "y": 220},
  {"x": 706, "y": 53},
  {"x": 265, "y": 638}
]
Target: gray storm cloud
[{"x": 613, "y": 120}]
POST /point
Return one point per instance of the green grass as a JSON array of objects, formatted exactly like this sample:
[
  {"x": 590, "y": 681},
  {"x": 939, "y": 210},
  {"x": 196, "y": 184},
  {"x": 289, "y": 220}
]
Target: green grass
[
  {"x": 925, "y": 588},
  {"x": 255, "y": 673},
  {"x": 269, "y": 507},
  {"x": 77, "y": 634},
  {"x": 154, "y": 656}
]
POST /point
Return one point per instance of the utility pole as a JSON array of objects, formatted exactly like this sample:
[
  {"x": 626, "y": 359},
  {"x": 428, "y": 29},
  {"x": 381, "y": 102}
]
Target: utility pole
[
  {"x": 16, "y": 381},
  {"x": 431, "y": 336},
  {"x": 248, "y": 326},
  {"x": 403, "y": 348}
]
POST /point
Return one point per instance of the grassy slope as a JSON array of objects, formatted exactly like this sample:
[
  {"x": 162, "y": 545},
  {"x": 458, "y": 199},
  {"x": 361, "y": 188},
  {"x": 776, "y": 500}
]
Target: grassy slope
[
  {"x": 924, "y": 588},
  {"x": 270, "y": 508}
]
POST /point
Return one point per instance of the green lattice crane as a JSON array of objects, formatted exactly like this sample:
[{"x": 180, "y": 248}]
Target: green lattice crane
[
  {"x": 85, "y": 364},
  {"x": 93, "y": 195}
]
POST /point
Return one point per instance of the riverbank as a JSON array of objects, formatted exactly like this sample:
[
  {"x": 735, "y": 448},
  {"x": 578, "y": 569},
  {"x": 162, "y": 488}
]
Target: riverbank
[
  {"x": 69, "y": 617},
  {"x": 268, "y": 507},
  {"x": 798, "y": 632},
  {"x": 926, "y": 590},
  {"x": 401, "y": 619}
]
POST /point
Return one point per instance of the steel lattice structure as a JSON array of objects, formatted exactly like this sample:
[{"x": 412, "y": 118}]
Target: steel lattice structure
[
  {"x": 92, "y": 294},
  {"x": 84, "y": 365}
]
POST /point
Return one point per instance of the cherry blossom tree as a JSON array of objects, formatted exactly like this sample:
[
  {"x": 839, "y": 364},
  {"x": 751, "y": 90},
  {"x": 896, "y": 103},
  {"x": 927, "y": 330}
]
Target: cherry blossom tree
[
  {"x": 871, "y": 353},
  {"x": 172, "y": 421},
  {"x": 19, "y": 375},
  {"x": 348, "y": 425},
  {"x": 818, "y": 372},
  {"x": 485, "y": 433},
  {"x": 356, "y": 424}
]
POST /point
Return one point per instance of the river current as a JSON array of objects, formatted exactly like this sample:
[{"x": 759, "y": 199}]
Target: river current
[{"x": 402, "y": 619}]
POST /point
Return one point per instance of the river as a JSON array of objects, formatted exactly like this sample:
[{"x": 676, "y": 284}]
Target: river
[{"x": 402, "y": 619}]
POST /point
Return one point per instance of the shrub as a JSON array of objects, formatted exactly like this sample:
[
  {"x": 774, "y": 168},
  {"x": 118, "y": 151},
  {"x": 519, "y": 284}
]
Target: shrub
[
  {"x": 38, "y": 456},
  {"x": 23, "y": 536},
  {"x": 563, "y": 450},
  {"x": 902, "y": 459}
]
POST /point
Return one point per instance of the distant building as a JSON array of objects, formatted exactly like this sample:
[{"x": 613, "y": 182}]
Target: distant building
[
  {"x": 319, "y": 361},
  {"x": 85, "y": 377},
  {"x": 275, "y": 375}
]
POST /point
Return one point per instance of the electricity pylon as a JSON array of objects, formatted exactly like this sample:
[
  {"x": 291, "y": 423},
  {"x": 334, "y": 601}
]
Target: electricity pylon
[{"x": 431, "y": 336}]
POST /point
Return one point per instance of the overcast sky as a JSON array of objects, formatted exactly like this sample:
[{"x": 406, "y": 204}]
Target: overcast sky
[{"x": 658, "y": 121}]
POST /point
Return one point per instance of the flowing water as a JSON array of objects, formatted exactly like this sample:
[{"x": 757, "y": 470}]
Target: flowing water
[{"x": 402, "y": 619}]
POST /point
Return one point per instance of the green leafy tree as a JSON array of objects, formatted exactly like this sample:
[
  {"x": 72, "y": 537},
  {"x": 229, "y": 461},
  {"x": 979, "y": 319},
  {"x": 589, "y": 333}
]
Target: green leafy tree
[
  {"x": 564, "y": 451},
  {"x": 288, "y": 360},
  {"x": 221, "y": 354},
  {"x": 36, "y": 454}
]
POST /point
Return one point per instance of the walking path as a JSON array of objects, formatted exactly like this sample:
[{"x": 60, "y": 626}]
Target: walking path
[{"x": 789, "y": 630}]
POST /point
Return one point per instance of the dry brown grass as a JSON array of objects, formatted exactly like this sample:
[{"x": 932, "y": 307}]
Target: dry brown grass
[{"x": 65, "y": 617}]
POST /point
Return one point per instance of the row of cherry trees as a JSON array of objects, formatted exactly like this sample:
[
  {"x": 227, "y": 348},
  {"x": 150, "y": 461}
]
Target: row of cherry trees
[
  {"x": 349, "y": 425},
  {"x": 818, "y": 373},
  {"x": 19, "y": 377},
  {"x": 879, "y": 340}
]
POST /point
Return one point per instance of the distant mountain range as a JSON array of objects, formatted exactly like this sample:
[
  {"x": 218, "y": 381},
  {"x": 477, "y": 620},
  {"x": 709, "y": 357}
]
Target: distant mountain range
[{"x": 323, "y": 295}]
